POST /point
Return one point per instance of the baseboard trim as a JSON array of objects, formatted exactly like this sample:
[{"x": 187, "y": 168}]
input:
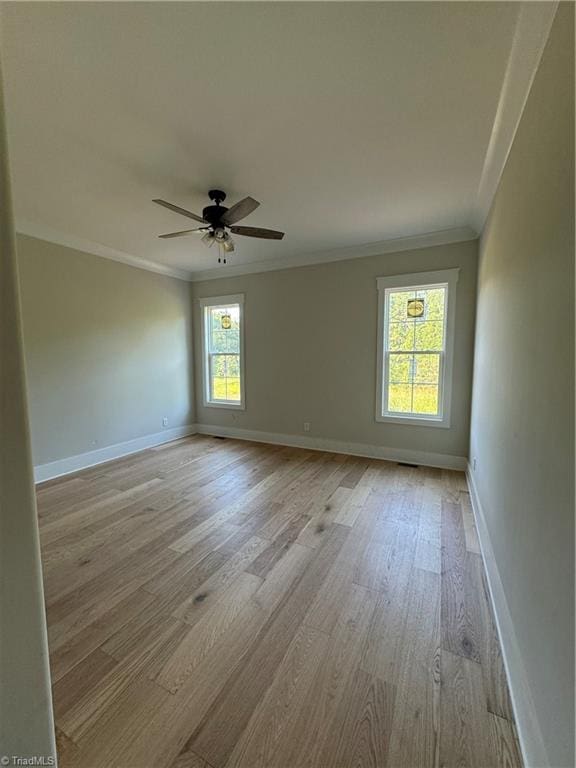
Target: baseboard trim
[
  {"x": 439, "y": 460},
  {"x": 49, "y": 471},
  {"x": 527, "y": 725}
]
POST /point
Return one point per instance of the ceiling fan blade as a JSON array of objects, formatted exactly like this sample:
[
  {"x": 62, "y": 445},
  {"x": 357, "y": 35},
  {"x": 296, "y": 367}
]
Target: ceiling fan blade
[
  {"x": 183, "y": 211},
  {"x": 184, "y": 232},
  {"x": 240, "y": 210},
  {"x": 266, "y": 234}
]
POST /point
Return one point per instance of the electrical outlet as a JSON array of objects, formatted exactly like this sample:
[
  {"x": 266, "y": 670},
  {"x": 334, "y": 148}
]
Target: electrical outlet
[
  {"x": 306, "y": 426},
  {"x": 165, "y": 421}
]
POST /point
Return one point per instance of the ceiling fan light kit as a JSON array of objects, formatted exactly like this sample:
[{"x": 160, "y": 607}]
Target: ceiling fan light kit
[{"x": 218, "y": 219}]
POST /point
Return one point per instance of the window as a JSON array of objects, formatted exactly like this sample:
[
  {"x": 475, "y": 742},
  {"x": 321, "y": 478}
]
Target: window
[
  {"x": 415, "y": 343},
  {"x": 223, "y": 342}
]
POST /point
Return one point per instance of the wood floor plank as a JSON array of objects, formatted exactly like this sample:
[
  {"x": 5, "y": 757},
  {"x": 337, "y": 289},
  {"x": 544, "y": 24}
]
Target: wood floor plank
[
  {"x": 157, "y": 723},
  {"x": 338, "y": 585},
  {"x": 504, "y": 742},
  {"x": 472, "y": 542},
  {"x": 416, "y": 729},
  {"x": 225, "y": 604},
  {"x": 260, "y": 745},
  {"x": 160, "y": 641},
  {"x": 262, "y": 565},
  {"x": 323, "y": 513},
  {"x": 307, "y": 742},
  {"x": 281, "y": 578},
  {"x": 67, "y": 692},
  {"x": 66, "y": 750},
  {"x": 189, "y": 759},
  {"x": 362, "y": 728},
  {"x": 385, "y": 637},
  {"x": 216, "y": 737},
  {"x": 464, "y": 725},
  {"x": 200, "y": 601},
  {"x": 458, "y": 626},
  {"x": 492, "y": 665},
  {"x": 78, "y": 646},
  {"x": 199, "y": 641}
]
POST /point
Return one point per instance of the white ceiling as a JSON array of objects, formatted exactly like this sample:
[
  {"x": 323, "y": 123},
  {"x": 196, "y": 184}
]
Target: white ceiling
[{"x": 351, "y": 122}]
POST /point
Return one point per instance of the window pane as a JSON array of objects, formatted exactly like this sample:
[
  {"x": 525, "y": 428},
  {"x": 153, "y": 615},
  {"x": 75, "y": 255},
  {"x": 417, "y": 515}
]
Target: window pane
[
  {"x": 233, "y": 388},
  {"x": 401, "y": 336},
  {"x": 426, "y": 369},
  {"x": 233, "y": 366},
  {"x": 216, "y": 318},
  {"x": 400, "y": 398},
  {"x": 429, "y": 335},
  {"x": 218, "y": 377},
  {"x": 400, "y": 366},
  {"x": 233, "y": 377},
  {"x": 435, "y": 298},
  {"x": 399, "y": 304},
  {"x": 232, "y": 340},
  {"x": 219, "y": 366},
  {"x": 425, "y": 399},
  {"x": 219, "y": 341},
  {"x": 218, "y": 388}
]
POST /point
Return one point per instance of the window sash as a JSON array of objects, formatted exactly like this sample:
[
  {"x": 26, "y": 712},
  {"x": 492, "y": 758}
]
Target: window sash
[
  {"x": 413, "y": 414},
  {"x": 211, "y": 377},
  {"x": 210, "y": 331}
]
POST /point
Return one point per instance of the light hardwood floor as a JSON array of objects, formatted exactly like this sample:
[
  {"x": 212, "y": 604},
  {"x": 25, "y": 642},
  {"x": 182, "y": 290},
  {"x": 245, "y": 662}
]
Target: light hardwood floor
[{"x": 219, "y": 603}]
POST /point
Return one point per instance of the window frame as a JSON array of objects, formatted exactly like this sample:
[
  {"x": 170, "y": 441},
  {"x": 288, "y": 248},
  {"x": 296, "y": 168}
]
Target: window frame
[
  {"x": 207, "y": 304},
  {"x": 445, "y": 278}
]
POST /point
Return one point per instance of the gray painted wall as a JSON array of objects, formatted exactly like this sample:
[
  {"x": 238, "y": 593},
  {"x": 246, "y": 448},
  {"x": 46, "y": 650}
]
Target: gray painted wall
[
  {"x": 522, "y": 433},
  {"x": 310, "y": 340},
  {"x": 26, "y": 719},
  {"x": 108, "y": 350}
]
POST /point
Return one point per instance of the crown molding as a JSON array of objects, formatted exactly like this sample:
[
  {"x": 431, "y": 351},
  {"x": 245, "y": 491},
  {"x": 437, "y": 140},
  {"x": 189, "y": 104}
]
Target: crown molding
[
  {"x": 97, "y": 249},
  {"x": 410, "y": 243},
  {"x": 532, "y": 29}
]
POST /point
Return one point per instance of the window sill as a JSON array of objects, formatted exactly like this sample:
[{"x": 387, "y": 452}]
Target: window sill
[
  {"x": 414, "y": 421},
  {"x": 233, "y": 406}
]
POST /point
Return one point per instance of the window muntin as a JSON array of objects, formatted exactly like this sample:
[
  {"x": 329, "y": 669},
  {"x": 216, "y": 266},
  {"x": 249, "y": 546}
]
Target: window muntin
[
  {"x": 223, "y": 352},
  {"x": 414, "y": 348}
]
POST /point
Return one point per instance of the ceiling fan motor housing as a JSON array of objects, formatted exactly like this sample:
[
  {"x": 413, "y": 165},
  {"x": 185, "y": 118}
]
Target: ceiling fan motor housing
[{"x": 213, "y": 213}]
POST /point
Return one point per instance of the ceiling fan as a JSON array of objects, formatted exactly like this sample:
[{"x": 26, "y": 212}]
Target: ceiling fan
[{"x": 218, "y": 219}]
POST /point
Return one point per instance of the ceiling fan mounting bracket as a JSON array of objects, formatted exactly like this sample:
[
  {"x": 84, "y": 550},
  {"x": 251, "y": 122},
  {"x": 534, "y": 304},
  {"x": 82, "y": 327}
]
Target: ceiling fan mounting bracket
[{"x": 217, "y": 196}]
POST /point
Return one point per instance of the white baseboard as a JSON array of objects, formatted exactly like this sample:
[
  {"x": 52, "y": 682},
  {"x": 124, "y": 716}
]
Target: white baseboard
[
  {"x": 53, "y": 469},
  {"x": 43, "y": 472},
  {"x": 529, "y": 733},
  {"x": 440, "y": 460}
]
